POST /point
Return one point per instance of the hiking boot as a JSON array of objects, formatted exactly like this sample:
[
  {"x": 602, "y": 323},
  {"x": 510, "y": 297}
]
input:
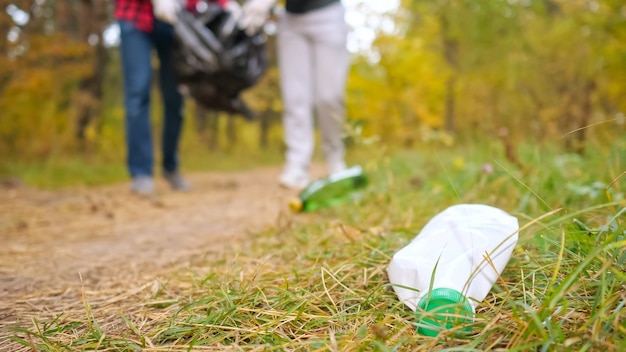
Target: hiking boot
[
  {"x": 336, "y": 167},
  {"x": 142, "y": 185},
  {"x": 294, "y": 179},
  {"x": 176, "y": 180}
]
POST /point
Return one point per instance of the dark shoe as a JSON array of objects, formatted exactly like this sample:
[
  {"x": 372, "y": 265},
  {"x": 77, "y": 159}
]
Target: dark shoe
[
  {"x": 142, "y": 185},
  {"x": 176, "y": 181}
]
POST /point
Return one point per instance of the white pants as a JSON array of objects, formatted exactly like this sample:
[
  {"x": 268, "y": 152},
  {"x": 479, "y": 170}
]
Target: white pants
[{"x": 313, "y": 63}]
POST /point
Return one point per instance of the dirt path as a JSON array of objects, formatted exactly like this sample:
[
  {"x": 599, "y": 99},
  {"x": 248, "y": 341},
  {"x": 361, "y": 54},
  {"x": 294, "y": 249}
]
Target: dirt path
[{"x": 50, "y": 240}]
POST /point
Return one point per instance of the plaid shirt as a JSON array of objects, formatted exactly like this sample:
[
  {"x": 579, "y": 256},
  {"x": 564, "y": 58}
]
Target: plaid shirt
[{"x": 140, "y": 12}]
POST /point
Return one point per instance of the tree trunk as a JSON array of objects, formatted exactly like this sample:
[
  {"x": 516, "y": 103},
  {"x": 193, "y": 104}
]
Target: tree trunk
[
  {"x": 6, "y": 23},
  {"x": 450, "y": 52},
  {"x": 200, "y": 115},
  {"x": 213, "y": 120},
  {"x": 93, "y": 22},
  {"x": 231, "y": 130},
  {"x": 264, "y": 128},
  {"x": 63, "y": 16},
  {"x": 584, "y": 118},
  {"x": 207, "y": 126},
  {"x": 450, "y": 104}
]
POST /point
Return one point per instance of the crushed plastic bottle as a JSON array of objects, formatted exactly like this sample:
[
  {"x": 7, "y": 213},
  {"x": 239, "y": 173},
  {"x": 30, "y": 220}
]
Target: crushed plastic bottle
[
  {"x": 337, "y": 188},
  {"x": 452, "y": 264}
]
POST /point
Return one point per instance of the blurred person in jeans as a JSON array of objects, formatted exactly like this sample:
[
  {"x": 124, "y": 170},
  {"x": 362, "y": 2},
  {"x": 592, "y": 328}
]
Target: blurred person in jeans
[
  {"x": 313, "y": 63},
  {"x": 144, "y": 25}
]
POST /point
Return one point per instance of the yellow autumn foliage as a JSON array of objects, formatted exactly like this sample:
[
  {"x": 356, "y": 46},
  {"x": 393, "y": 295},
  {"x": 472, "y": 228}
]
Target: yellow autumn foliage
[{"x": 471, "y": 67}]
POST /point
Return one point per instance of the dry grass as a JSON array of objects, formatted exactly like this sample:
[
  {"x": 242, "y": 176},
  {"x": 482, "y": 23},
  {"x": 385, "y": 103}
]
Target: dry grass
[{"x": 318, "y": 281}]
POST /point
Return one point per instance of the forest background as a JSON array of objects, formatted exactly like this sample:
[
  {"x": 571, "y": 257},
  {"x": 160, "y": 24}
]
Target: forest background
[{"x": 444, "y": 71}]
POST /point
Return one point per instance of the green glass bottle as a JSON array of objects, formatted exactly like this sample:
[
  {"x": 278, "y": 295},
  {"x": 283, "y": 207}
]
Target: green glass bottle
[{"x": 335, "y": 189}]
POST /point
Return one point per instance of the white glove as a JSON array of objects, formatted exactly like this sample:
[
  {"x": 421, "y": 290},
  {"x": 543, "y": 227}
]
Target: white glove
[
  {"x": 166, "y": 10},
  {"x": 235, "y": 9},
  {"x": 255, "y": 14}
]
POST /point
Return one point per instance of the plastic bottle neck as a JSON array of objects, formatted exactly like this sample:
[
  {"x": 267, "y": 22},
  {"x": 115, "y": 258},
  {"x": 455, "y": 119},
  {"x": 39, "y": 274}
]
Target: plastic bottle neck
[{"x": 443, "y": 309}]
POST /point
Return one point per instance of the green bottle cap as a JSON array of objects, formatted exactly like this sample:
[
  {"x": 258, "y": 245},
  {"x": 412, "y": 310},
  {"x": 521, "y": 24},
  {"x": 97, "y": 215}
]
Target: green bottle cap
[{"x": 443, "y": 308}]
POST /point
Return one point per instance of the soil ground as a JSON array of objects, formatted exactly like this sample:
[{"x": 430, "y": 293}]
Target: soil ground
[{"x": 56, "y": 243}]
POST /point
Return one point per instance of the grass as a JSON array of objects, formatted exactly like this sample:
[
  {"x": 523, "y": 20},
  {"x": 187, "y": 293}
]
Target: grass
[
  {"x": 58, "y": 172},
  {"x": 318, "y": 282}
]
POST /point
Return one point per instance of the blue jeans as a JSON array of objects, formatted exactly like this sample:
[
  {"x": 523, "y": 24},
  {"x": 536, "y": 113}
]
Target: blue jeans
[{"x": 136, "y": 49}]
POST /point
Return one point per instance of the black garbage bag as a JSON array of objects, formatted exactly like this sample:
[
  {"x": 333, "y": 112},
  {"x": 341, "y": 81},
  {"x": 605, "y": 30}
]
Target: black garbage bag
[{"x": 214, "y": 60}]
